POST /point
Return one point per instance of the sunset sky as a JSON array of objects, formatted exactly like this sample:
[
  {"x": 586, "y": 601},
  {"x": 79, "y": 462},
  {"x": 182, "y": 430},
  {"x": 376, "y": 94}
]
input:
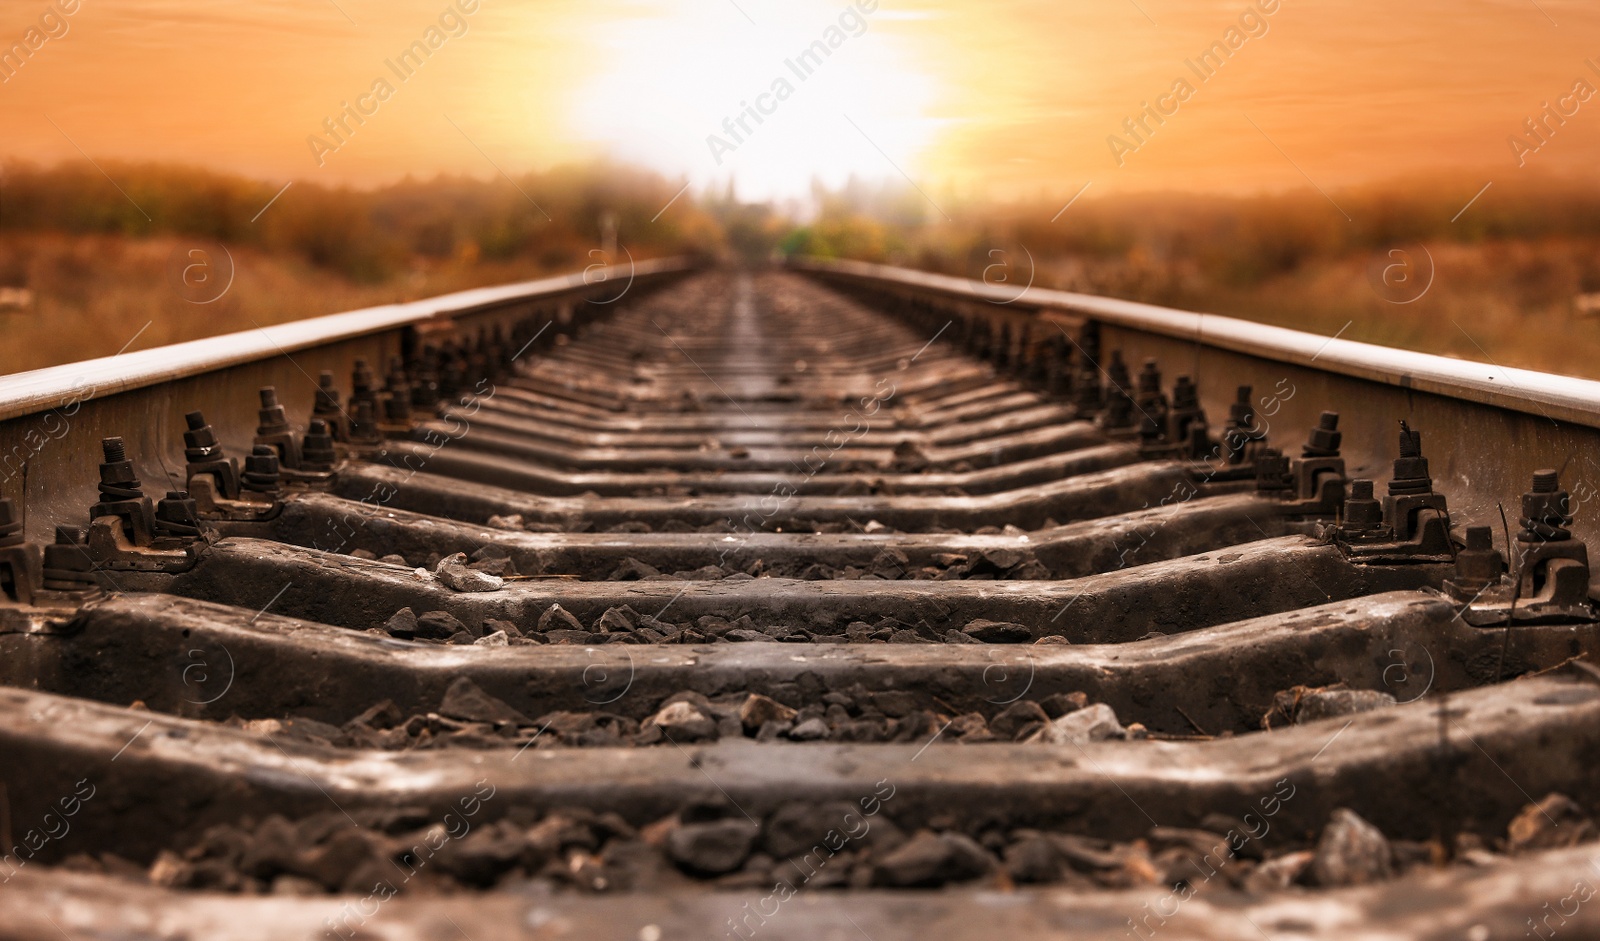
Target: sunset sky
[{"x": 995, "y": 98}]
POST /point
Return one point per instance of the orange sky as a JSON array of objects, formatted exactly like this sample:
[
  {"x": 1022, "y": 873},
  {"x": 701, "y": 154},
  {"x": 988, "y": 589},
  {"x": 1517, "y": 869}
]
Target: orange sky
[{"x": 1006, "y": 97}]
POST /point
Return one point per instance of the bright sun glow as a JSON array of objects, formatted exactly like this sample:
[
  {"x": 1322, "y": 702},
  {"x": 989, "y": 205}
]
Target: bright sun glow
[{"x": 675, "y": 74}]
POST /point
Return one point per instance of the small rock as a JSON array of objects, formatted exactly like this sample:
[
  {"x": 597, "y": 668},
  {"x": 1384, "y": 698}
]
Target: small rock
[
  {"x": 402, "y": 624},
  {"x": 997, "y": 632},
  {"x": 1279, "y": 872},
  {"x": 1350, "y": 852},
  {"x": 465, "y": 701},
  {"x": 393, "y": 559},
  {"x": 632, "y": 569},
  {"x": 617, "y": 621},
  {"x": 1096, "y": 723},
  {"x": 1553, "y": 823},
  {"x": 332, "y": 862},
  {"x": 169, "y": 870},
  {"x": 514, "y": 521},
  {"x": 439, "y": 625},
  {"x": 745, "y": 636},
  {"x": 800, "y": 827},
  {"x": 384, "y": 715},
  {"x": 970, "y": 727},
  {"x": 930, "y": 860},
  {"x": 714, "y": 847},
  {"x": 557, "y": 618},
  {"x": 452, "y": 570},
  {"x": 1018, "y": 717},
  {"x": 757, "y": 710},
  {"x": 810, "y": 730},
  {"x": 1033, "y": 859},
  {"x": 490, "y": 625},
  {"x": 574, "y": 638},
  {"x": 1004, "y": 558},
  {"x": 479, "y": 857},
  {"x": 681, "y": 722},
  {"x": 497, "y": 566},
  {"x": 1052, "y": 640},
  {"x": 1330, "y": 703},
  {"x": 286, "y": 884},
  {"x": 895, "y": 703},
  {"x": 497, "y": 639},
  {"x": 1057, "y": 705}
]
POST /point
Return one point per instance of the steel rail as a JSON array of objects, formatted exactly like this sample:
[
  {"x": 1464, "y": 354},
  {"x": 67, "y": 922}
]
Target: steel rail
[
  {"x": 1544, "y": 394},
  {"x": 1485, "y": 427},
  {"x": 52, "y": 419},
  {"x": 41, "y": 389}
]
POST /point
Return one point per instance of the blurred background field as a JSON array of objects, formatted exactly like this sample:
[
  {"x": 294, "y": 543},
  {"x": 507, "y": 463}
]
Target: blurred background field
[
  {"x": 88, "y": 266},
  {"x": 83, "y": 266}
]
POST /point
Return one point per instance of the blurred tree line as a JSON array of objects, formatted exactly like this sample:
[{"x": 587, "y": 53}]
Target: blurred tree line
[
  {"x": 367, "y": 235},
  {"x": 1235, "y": 241}
]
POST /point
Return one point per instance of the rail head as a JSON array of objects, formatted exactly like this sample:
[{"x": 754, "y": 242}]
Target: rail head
[
  {"x": 40, "y": 390},
  {"x": 1559, "y": 398}
]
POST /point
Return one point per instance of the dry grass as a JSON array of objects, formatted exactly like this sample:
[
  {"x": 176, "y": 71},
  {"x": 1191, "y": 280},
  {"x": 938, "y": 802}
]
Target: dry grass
[
  {"x": 1505, "y": 303},
  {"x": 94, "y": 293},
  {"x": 97, "y": 258},
  {"x": 1506, "y": 277}
]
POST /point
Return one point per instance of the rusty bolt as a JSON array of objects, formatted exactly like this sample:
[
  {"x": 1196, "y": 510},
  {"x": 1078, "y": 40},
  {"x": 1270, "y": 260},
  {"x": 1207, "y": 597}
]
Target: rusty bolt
[
  {"x": 1325, "y": 438},
  {"x": 1410, "y": 468},
  {"x": 200, "y": 441},
  {"x": 67, "y": 567},
  {"x": 316, "y": 448},
  {"x": 273, "y": 421},
  {"x": 364, "y": 423},
  {"x": 1185, "y": 395},
  {"x": 1361, "y": 511},
  {"x": 1150, "y": 379},
  {"x": 1272, "y": 471},
  {"x": 117, "y": 479},
  {"x": 1240, "y": 412},
  {"x": 1545, "y": 510},
  {"x": 1479, "y": 564},
  {"x": 261, "y": 470},
  {"x": 177, "y": 515}
]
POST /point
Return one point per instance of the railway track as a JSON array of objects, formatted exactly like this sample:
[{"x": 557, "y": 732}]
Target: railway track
[{"x": 830, "y": 602}]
